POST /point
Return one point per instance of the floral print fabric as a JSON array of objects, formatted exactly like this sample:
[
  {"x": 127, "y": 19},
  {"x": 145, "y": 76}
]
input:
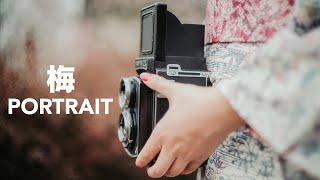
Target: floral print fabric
[
  {"x": 276, "y": 91},
  {"x": 245, "y": 20},
  {"x": 241, "y": 156}
]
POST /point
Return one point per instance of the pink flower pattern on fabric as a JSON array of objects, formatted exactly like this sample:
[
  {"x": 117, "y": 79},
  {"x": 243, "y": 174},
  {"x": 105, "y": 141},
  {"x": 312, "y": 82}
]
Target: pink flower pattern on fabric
[{"x": 245, "y": 20}]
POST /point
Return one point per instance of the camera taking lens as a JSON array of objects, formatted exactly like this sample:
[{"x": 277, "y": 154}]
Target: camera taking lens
[{"x": 127, "y": 128}]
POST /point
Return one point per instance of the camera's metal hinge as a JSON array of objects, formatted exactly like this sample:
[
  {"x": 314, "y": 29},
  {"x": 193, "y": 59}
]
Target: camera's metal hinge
[{"x": 175, "y": 70}]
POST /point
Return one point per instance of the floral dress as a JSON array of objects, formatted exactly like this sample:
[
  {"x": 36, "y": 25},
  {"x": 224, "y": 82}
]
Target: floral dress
[{"x": 264, "y": 56}]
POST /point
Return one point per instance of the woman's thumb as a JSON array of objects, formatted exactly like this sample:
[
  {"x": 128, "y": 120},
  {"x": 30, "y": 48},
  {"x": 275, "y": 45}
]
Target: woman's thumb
[{"x": 157, "y": 83}]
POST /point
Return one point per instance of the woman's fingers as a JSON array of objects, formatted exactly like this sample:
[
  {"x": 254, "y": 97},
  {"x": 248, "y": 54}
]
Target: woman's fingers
[
  {"x": 158, "y": 83},
  {"x": 191, "y": 167},
  {"x": 149, "y": 151},
  {"x": 163, "y": 163},
  {"x": 177, "y": 167}
]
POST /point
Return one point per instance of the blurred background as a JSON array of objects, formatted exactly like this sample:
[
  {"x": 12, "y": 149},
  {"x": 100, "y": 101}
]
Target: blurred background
[{"x": 101, "y": 39}]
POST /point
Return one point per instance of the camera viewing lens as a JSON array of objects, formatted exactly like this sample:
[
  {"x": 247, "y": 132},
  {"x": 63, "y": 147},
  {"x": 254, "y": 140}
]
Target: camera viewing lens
[
  {"x": 127, "y": 128},
  {"x": 126, "y": 93}
]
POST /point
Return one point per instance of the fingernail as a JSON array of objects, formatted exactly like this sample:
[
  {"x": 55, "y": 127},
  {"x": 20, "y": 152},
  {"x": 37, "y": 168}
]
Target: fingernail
[
  {"x": 145, "y": 76},
  {"x": 138, "y": 166}
]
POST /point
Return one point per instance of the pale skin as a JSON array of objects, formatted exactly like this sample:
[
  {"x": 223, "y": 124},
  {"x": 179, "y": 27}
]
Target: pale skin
[{"x": 197, "y": 122}]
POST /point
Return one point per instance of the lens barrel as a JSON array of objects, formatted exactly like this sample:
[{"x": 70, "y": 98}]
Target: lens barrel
[
  {"x": 127, "y": 128},
  {"x": 127, "y": 93}
]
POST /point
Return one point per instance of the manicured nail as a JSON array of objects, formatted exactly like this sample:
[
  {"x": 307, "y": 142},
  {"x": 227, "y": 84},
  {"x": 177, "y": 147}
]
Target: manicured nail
[
  {"x": 145, "y": 76},
  {"x": 138, "y": 166}
]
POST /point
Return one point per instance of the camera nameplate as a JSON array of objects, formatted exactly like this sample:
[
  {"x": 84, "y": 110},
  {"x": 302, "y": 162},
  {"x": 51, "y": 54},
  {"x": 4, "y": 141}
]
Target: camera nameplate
[{"x": 174, "y": 70}]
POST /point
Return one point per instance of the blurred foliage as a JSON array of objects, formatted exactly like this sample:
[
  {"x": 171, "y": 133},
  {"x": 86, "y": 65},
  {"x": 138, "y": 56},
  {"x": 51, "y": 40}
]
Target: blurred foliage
[{"x": 188, "y": 10}]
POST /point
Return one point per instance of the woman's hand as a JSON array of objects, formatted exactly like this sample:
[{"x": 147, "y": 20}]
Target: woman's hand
[{"x": 197, "y": 122}]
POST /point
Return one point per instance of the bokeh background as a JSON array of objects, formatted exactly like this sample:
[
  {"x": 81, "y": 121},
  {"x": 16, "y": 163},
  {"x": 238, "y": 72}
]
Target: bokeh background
[{"x": 101, "y": 39}]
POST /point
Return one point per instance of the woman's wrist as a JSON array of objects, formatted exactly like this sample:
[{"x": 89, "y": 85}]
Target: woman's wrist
[{"x": 229, "y": 120}]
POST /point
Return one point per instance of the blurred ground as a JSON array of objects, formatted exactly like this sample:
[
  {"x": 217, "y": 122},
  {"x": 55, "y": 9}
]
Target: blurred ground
[{"x": 102, "y": 45}]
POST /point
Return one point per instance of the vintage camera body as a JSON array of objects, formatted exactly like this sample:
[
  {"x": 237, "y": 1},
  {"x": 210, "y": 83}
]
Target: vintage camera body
[{"x": 169, "y": 49}]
